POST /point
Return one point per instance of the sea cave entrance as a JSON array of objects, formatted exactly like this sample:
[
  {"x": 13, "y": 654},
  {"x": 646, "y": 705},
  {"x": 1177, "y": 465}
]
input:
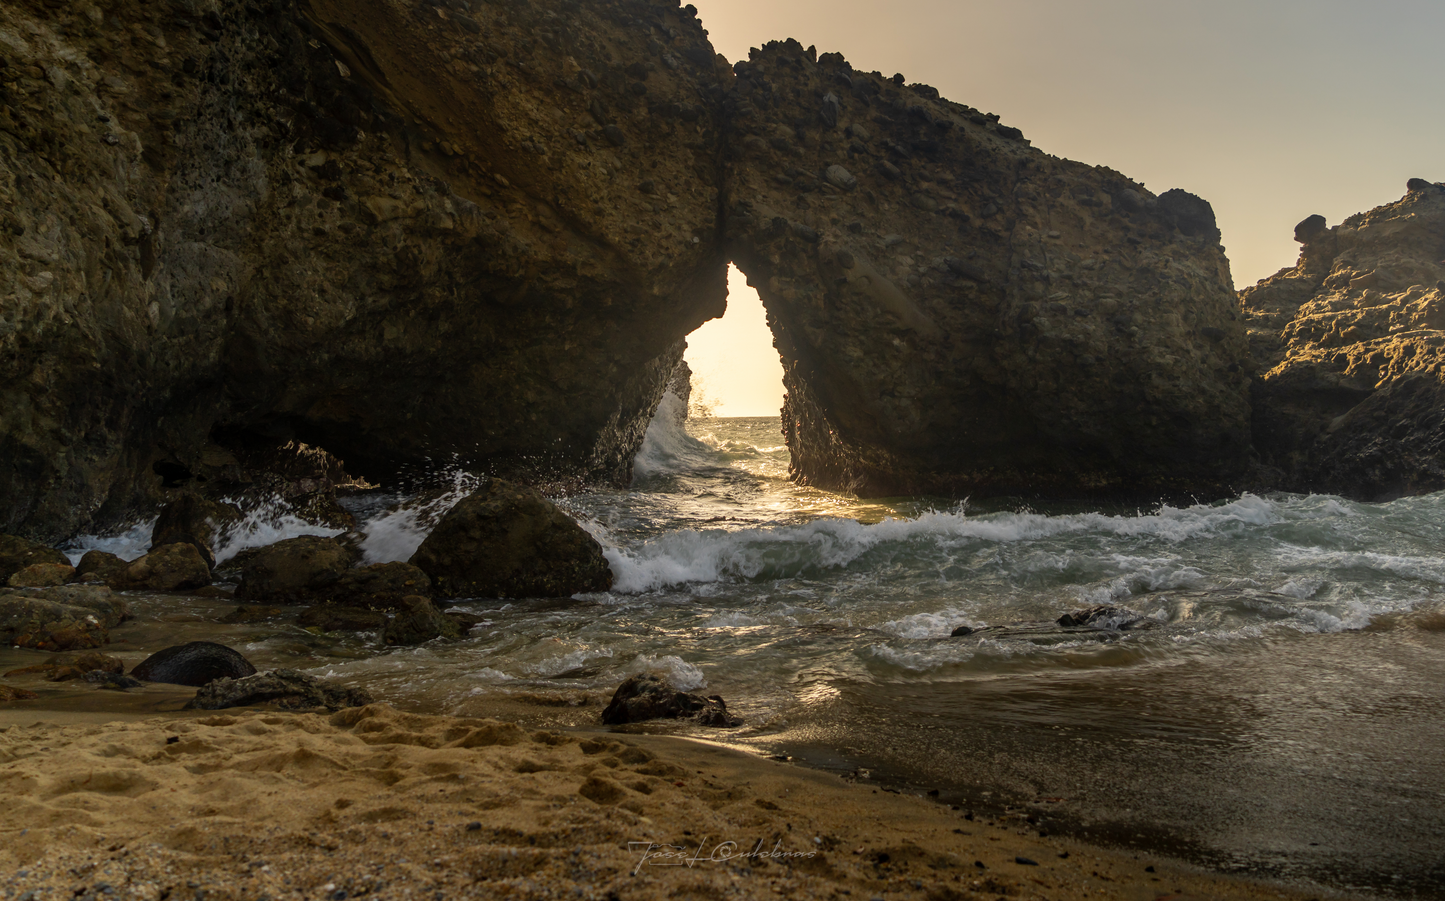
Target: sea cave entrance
[{"x": 736, "y": 370}]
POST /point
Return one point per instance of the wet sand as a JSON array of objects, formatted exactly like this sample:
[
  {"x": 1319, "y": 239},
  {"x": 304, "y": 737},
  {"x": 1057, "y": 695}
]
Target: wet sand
[{"x": 154, "y": 803}]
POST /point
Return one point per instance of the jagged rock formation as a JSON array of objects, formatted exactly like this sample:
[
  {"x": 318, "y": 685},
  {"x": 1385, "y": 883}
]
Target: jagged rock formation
[
  {"x": 424, "y": 231},
  {"x": 321, "y": 219},
  {"x": 1350, "y": 350},
  {"x": 958, "y": 312}
]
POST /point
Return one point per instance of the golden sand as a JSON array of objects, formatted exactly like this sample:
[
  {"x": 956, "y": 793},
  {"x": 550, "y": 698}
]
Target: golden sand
[{"x": 382, "y": 804}]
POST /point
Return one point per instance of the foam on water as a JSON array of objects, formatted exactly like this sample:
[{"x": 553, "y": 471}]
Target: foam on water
[
  {"x": 266, "y": 523},
  {"x": 395, "y": 533},
  {"x": 128, "y": 545}
]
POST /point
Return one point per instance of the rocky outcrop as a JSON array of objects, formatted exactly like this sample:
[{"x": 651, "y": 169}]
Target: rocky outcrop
[
  {"x": 1349, "y": 347},
  {"x": 17, "y": 553},
  {"x": 313, "y": 219},
  {"x": 416, "y": 231},
  {"x": 958, "y": 312},
  {"x": 507, "y": 541}
]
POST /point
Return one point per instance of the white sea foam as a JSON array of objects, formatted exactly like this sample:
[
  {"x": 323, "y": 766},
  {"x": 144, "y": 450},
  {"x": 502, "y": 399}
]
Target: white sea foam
[
  {"x": 667, "y": 447},
  {"x": 680, "y": 674},
  {"x": 128, "y": 545},
  {"x": 688, "y": 555},
  {"x": 265, "y": 523},
  {"x": 395, "y": 534}
]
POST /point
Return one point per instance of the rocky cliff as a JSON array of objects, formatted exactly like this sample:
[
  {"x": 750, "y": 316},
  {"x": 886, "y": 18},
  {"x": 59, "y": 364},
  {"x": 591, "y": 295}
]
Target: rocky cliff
[
  {"x": 426, "y": 231},
  {"x": 1350, "y": 350},
  {"x": 958, "y": 312},
  {"x": 404, "y": 231}
]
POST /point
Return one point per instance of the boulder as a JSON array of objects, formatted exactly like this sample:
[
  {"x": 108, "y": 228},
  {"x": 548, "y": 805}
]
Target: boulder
[
  {"x": 285, "y": 689},
  {"x": 975, "y": 316},
  {"x": 506, "y": 540},
  {"x": 294, "y": 570},
  {"x": 649, "y": 696},
  {"x": 194, "y": 520},
  {"x": 17, "y": 553},
  {"x": 42, "y": 575},
  {"x": 193, "y": 663},
  {"x": 63, "y": 668},
  {"x": 337, "y": 618},
  {"x": 172, "y": 567},
  {"x": 379, "y": 586},
  {"x": 417, "y": 620},
  {"x": 8, "y": 693},
  {"x": 1349, "y": 350},
  {"x": 1103, "y": 616},
  {"x": 70, "y": 617},
  {"x": 101, "y": 566}
]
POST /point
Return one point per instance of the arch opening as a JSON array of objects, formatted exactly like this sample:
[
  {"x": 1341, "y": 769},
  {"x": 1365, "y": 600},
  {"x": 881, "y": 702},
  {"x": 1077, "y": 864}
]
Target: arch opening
[{"x": 736, "y": 370}]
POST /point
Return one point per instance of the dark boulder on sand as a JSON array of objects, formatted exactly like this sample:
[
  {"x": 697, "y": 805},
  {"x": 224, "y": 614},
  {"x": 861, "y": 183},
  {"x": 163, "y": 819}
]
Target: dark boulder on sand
[
  {"x": 196, "y": 663},
  {"x": 507, "y": 540},
  {"x": 648, "y": 696}
]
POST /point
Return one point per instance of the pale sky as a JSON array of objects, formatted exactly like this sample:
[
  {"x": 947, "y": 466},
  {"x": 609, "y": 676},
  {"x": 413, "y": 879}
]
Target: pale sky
[{"x": 1271, "y": 110}]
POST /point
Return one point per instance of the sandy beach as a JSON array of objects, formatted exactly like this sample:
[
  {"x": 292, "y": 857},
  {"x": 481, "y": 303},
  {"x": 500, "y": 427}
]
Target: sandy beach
[{"x": 374, "y": 802}]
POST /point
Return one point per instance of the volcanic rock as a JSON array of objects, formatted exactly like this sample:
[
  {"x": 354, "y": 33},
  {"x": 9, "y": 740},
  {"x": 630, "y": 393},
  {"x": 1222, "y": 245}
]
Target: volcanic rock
[
  {"x": 417, "y": 621},
  {"x": 69, "y": 617},
  {"x": 648, "y": 696},
  {"x": 173, "y": 567},
  {"x": 101, "y": 566},
  {"x": 194, "y": 520},
  {"x": 506, "y": 540},
  {"x": 296, "y": 569},
  {"x": 282, "y": 688},
  {"x": 1000, "y": 321},
  {"x": 16, "y": 553},
  {"x": 195, "y": 663},
  {"x": 1349, "y": 347},
  {"x": 337, "y": 217},
  {"x": 42, "y": 575}
]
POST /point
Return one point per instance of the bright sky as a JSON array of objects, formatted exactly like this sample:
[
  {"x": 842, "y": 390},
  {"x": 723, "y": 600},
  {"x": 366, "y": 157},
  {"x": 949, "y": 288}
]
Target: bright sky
[{"x": 1271, "y": 110}]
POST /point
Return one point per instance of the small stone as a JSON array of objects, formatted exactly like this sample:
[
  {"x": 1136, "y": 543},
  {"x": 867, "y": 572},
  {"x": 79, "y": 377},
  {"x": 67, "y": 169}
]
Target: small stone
[
  {"x": 1213, "y": 333},
  {"x": 806, "y": 232},
  {"x": 830, "y": 110},
  {"x": 648, "y": 187},
  {"x": 839, "y": 177},
  {"x": 1024, "y": 861},
  {"x": 614, "y": 135},
  {"x": 961, "y": 631},
  {"x": 888, "y": 170},
  {"x": 844, "y": 258}
]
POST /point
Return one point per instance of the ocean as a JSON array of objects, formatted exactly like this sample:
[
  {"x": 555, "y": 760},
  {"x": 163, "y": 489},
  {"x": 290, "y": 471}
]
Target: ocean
[{"x": 1276, "y": 707}]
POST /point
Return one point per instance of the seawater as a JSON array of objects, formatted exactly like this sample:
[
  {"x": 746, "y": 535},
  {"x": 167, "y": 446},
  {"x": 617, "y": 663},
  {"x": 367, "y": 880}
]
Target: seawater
[{"x": 1283, "y": 713}]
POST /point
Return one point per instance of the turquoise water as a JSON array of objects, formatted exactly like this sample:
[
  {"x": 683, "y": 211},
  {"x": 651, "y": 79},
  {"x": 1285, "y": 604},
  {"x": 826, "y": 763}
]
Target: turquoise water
[{"x": 1281, "y": 711}]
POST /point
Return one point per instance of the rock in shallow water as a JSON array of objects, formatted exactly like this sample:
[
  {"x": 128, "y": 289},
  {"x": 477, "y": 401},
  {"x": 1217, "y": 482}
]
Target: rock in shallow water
[
  {"x": 195, "y": 663},
  {"x": 296, "y": 569},
  {"x": 418, "y": 620},
  {"x": 507, "y": 540},
  {"x": 17, "y": 553},
  {"x": 649, "y": 696},
  {"x": 286, "y": 689},
  {"x": 173, "y": 567},
  {"x": 69, "y": 617}
]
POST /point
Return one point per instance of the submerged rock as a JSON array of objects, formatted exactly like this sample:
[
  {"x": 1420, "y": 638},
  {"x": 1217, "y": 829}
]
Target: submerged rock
[
  {"x": 193, "y": 663},
  {"x": 380, "y": 586},
  {"x": 507, "y": 540},
  {"x": 339, "y": 618},
  {"x": 1349, "y": 347},
  {"x": 296, "y": 569},
  {"x": 417, "y": 620},
  {"x": 285, "y": 689},
  {"x": 63, "y": 668},
  {"x": 649, "y": 696},
  {"x": 172, "y": 567},
  {"x": 70, "y": 617},
  {"x": 1104, "y": 617}
]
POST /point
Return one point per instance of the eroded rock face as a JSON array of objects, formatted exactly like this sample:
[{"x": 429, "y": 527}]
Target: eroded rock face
[
  {"x": 1349, "y": 346},
  {"x": 960, "y": 313},
  {"x": 314, "y": 218}
]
